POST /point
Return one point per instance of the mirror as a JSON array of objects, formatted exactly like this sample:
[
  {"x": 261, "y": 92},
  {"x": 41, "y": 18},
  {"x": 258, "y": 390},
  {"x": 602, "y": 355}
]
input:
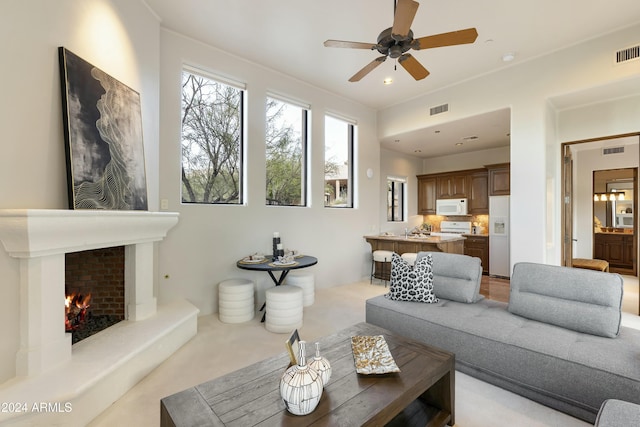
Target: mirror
[{"x": 613, "y": 200}]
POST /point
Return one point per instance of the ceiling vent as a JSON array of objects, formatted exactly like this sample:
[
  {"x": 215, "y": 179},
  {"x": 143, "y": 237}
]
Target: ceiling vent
[
  {"x": 439, "y": 109},
  {"x": 612, "y": 150},
  {"x": 628, "y": 54}
]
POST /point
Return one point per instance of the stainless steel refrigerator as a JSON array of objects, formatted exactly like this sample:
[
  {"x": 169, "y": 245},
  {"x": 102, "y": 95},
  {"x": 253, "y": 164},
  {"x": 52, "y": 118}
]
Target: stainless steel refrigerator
[{"x": 499, "y": 263}]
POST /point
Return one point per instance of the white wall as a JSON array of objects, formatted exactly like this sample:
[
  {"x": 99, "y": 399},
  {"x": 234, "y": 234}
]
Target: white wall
[
  {"x": 119, "y": 36},
  {"x": 203, "y": 248},
  {"x": 536, "y": 132},
  {"x": 462, "y": 161}
]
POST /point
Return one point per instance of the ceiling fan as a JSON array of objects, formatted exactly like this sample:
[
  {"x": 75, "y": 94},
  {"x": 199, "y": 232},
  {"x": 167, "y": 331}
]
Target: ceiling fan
[{"x": 395, "y": 41}]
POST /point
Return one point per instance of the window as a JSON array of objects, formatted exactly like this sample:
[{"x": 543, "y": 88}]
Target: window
[
  {"x": 396, "y": 190},
  {"x": 339, "y": 138},
  {"x": 212, "y": 140},
  {"x": 286, "y": 147}
]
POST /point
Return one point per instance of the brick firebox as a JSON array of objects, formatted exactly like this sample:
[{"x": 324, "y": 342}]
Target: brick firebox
[{"x": 99, "y": 272}]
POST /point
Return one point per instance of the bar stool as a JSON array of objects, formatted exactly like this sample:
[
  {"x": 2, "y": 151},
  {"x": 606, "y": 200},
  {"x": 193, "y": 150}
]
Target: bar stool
[
  {"x": 410, "y": 257},
  {"x": 283, "y": 309},
  {"x": 304, "y": 280},
  {"x": 381, "y": 266},
  {"x": 236, "y": 301}
]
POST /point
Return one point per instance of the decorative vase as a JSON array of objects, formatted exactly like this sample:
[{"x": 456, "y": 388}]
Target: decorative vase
[
  {"x": 301, "y": 386},
  {"x": 321, "y": 365}
]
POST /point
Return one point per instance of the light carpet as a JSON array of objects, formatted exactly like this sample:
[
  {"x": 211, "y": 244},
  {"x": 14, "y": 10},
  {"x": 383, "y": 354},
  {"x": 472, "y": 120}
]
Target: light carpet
[{"x": 220, "y": 348}]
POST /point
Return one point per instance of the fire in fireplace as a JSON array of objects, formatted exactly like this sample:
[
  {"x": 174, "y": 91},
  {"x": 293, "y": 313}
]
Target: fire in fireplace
[
  {"x": 94, "y": 288},
  {"x": 75, "y": 307}
]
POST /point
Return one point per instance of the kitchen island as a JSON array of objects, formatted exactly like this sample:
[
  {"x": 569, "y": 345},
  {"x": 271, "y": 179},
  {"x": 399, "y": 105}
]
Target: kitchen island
[{"x": 415, "y": 244}]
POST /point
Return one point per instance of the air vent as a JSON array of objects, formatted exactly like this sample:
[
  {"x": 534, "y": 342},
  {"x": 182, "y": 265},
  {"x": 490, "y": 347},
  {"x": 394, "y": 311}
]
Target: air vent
[
  {"x": 628, "y": 54},
  {"x": 439, "y": 109},
  {"x": 612, "y": 150}
]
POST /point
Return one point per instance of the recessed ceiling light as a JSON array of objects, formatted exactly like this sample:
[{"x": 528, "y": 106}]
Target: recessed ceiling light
[
  {"x": 437, "y": 131},
  {"x": 458, "y": 144},
  {"x": 508, "y": 57},
  {"x": 417, "y": 151},
  {"x": 396, "y": 140},
  {"x": 470, "y": 138},
  {"x": 387, "y": 81}
]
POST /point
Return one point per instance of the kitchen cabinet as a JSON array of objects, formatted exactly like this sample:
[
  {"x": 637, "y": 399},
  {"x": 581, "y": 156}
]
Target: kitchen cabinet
[
  {"x": 452, "y": 186},
  {"x": 479, "y": 193},
  {"x": 499, "y": 179},
  {"x": 478, "y": 246},
  {"x": 616, "y": 248},
  {"x": 426, "y": 195}
]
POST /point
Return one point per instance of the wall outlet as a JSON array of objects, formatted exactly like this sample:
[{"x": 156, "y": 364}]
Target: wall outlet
[{"x": 164, "y": 204}]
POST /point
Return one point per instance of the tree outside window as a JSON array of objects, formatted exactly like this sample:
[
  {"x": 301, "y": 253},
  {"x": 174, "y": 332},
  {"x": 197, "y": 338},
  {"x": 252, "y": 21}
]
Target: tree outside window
[
  {"x": 211, "y": 140},
  {"x": 338, "y": 172},
  {"x": 286, "y": 146}
]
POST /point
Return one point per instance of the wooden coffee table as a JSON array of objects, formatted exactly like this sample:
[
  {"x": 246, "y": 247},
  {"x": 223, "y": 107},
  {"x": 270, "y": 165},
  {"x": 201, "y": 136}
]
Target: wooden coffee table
[{"x": 421, "y": 394}]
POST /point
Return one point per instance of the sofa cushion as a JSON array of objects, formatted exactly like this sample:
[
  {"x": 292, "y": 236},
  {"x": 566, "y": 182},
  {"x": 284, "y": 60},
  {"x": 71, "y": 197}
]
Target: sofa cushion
[
  {"x": 615, "y": 413},
  {"x": 581, "y": 300},
  {"x": 456, "y": 277},
  {"x": 409, "y": 283}
]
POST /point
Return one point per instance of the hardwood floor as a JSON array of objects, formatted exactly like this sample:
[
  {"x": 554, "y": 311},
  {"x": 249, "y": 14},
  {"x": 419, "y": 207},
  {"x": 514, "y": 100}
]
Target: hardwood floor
[{"x": 495, "y": 288}]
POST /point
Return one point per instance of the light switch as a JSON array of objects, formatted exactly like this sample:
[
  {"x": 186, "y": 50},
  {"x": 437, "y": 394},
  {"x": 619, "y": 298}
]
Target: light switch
[{"x": 164, "y": 204}]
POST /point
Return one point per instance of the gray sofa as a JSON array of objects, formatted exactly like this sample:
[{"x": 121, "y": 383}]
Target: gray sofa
[{"x": 558, "y": 342}]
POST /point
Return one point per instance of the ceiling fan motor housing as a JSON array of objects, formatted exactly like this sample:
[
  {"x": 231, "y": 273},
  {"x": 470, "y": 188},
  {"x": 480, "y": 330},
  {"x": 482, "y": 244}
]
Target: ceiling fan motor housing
[{"x": 392, "y": 44}]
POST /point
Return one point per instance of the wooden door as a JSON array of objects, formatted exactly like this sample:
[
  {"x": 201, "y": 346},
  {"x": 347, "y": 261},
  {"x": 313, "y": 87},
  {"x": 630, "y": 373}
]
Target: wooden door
[{"x": 567, "y": 206}]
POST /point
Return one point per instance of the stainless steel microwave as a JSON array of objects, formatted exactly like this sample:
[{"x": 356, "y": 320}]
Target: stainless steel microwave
[{"x": 451, "y": 207}]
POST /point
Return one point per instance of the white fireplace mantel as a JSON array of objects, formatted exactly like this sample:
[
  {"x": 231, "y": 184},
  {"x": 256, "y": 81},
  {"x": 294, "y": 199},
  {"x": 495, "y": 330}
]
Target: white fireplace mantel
[
  {"x": 29, "y": 233},
  {"x": 108, "y": 363},
  {"x": 41, "y": 238}
]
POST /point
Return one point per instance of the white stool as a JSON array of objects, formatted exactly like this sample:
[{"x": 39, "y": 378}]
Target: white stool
[
  {"x": 410, "y": 257},
  {"x": 283, "y": 309},
  {"x": 381, "y": 266},
  {"x": 235, "y": 301},
  {"x": 304, "y": 280}
]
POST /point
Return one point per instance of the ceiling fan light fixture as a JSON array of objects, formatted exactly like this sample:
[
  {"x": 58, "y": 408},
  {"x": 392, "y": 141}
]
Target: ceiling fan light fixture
[{"x": 395, "y": 51}]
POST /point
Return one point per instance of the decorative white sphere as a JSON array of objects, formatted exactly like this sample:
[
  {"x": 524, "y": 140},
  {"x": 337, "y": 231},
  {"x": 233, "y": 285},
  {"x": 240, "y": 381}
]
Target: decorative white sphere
[
  {"x": 321, "y": 365},
  {"x": 301, "y": 386}
]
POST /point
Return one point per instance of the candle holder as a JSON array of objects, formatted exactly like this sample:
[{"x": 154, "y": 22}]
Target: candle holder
[{"x": 276, "y": 242}]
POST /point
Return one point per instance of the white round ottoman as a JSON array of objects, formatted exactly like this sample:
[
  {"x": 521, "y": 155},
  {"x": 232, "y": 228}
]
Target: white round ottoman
[
  {"x": 304, "y": 280},
  {"x": 236, "y": 301},
  {"x": 283, "y": 309}
]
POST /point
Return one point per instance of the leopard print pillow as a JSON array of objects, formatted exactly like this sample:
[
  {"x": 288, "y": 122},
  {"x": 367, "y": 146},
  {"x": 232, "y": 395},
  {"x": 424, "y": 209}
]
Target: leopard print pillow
[{"x": 409, "y": 283}]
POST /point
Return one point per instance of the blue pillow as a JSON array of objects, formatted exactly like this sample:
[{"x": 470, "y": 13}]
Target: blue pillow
[{"x": 409, "y": 283}]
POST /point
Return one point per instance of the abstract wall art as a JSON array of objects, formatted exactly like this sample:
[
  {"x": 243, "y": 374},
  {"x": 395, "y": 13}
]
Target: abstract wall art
[{"x": 103, "y": 138}]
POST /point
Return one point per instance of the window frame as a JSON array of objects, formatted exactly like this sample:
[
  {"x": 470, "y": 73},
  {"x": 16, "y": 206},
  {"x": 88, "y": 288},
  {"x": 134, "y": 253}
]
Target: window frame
[
  {"x": 402, "y": 203},
  {"x": 219, "y": 79},
  {"x": 351, "y": 143},
  {"x": 305, "y": 158}
]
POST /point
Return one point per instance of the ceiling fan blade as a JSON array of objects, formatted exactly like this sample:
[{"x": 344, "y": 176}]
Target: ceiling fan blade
[
  {"x": 367, "y": 69},
  {"x": 413, "y": 67},
  {"x": 352, "y": 45},
  {"x": 403, "y": 18},
  {"x": 447, "y": 39}
]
